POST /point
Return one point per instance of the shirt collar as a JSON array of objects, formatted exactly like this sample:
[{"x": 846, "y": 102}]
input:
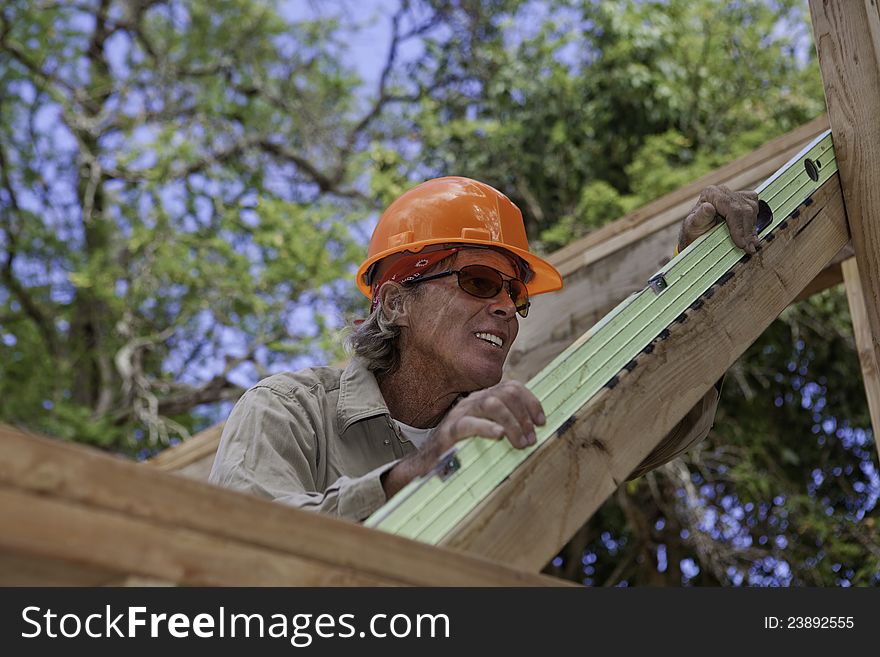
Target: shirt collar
[{"x": 359, "y": 395}]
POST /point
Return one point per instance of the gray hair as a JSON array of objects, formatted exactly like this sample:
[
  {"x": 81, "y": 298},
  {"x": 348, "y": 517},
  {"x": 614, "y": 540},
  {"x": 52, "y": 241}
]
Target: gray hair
[{"x": 376, "y": 340}]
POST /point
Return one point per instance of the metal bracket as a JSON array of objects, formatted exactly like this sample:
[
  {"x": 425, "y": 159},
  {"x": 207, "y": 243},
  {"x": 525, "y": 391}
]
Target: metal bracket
[
  {"x": 657, "y": 283},
  {"x": 447, "y": 466}
]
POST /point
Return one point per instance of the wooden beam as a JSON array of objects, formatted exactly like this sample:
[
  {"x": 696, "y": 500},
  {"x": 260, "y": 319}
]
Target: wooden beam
[
  {"x": 71, "y": 537},
  {"x": 607, "y": 265},
  {"x": 530, "y": 516},
  {"x": 193, "y": 457},
  {"x": 828, "y": 277},
  {"x": 867, "y": 356},
  {"x": 847, "y": 38},
  {"x": 17, "y": 569},
  {"x": 72, "y": 514}
]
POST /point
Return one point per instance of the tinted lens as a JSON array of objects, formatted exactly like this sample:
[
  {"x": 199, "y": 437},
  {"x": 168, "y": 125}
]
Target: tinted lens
[
  {"x": 485, "y": 282},
  {"x": 520, "y": 296},
  {"x": 480, "y": 281}
]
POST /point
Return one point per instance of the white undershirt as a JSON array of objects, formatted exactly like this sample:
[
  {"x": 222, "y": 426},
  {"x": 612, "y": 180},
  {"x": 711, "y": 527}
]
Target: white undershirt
[{"x": 417, "y": 437}]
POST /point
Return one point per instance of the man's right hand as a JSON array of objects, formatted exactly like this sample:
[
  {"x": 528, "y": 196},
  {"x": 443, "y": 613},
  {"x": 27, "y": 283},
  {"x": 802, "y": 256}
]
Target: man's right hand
[{"x": 506, "y": 409}]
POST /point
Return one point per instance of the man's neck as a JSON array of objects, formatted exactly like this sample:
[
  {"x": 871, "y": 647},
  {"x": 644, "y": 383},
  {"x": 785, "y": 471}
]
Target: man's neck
[{"x": 417, "y": 396}]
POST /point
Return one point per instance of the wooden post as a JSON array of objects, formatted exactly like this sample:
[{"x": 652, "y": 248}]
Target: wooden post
[
  {"x": 848, "y": 42},
  {"x": 867, "y": 355}
]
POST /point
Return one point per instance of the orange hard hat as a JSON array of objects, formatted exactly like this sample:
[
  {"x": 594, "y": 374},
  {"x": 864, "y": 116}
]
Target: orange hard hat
[{"x": 456, "y": 210}]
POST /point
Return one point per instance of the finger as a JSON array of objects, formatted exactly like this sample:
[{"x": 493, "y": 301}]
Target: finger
[
  {"x": 720, "y": 197},
  {"x": 471, "y": 426},
  {"x": 750, "y": 219},
  {"x": 700, "y": 221},
  {"x": 702, "y": 217},
  {"x": 523, "y": 398},
  {"x": 494, "y": 408},
  {"x": 741, "y": 222},
  {"x": 750, "y": 194},
  {"x": 524, "y": 406},
  {"x": 736, "y": 233}
]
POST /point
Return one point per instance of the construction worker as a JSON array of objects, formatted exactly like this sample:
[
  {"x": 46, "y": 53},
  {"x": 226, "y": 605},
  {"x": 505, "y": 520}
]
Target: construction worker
[{"x": 449, "y": 275}]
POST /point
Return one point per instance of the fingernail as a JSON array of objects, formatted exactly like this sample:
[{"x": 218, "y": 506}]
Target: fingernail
[
  {"x": 541, "y": 418},
  {"x": 531, "y": 438}
]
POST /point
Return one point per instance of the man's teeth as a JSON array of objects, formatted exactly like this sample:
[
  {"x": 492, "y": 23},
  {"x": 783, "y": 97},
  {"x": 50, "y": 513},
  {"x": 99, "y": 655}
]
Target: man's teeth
[{"x": 488, "y": 337}]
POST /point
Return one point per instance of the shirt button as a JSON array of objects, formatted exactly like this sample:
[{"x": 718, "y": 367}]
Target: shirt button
[{"x": 387, "y": 441}]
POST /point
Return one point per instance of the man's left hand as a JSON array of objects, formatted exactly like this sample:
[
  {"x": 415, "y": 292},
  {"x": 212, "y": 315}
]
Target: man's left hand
[{"x": 738, "y": 209}]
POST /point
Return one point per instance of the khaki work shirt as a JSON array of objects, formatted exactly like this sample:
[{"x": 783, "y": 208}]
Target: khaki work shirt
[
  {"x": 318, "y": 439},
  {"x": 321, "y": 438}
]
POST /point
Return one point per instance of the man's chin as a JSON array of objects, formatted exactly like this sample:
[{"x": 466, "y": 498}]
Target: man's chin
[{"x": 485, "y": 378}]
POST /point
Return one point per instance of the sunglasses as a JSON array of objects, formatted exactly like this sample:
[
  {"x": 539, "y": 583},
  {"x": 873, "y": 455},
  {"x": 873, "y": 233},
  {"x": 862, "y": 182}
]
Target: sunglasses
[{"x": 485, "y": 282}]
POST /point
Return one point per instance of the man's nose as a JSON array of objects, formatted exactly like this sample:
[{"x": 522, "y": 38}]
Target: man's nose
[{"x": 502, "y": 305}]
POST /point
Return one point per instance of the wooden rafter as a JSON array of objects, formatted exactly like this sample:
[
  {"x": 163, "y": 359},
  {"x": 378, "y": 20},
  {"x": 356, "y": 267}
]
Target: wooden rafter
[
  {"x": 668, "y": 210},
  {"x": 193, "y": 457}
]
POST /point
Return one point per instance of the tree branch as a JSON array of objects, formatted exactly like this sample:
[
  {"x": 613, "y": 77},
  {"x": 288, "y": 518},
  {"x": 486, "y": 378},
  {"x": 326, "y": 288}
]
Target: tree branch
[
  {"x": 383, "y": 97},
  {"x": 325, "y": 183},
  {"x": 217, "y": 389}
]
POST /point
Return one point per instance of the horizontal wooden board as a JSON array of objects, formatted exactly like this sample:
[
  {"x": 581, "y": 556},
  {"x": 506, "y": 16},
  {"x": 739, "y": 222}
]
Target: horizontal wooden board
[{"x": 71, "y": 507}]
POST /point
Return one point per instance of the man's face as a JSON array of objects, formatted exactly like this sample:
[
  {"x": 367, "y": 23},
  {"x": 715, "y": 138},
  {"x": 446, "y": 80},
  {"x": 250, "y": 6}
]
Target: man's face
[{"x": 448, "y": 330}]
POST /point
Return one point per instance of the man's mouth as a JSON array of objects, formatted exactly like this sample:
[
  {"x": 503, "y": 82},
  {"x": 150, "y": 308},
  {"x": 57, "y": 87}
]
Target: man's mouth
[{"x": 491, "y": 339}]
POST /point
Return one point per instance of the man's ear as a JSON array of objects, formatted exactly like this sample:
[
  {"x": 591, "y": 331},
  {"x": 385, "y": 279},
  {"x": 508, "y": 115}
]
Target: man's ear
[{"x": 392, "y": 296}]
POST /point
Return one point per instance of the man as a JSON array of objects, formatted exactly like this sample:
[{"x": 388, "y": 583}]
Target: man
[{"x": 448, "y": 273}]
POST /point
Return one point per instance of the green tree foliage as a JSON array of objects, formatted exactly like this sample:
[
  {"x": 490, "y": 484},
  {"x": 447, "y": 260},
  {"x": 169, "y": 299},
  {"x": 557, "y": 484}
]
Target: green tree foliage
[
  {"x": 583, "y": 110},
  {"x": 177, "y": 184},
  {"x": 185, "y": 188}
]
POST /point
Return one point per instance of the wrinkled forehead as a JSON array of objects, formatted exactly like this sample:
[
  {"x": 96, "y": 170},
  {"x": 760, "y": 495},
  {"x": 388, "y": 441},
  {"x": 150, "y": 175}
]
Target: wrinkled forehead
[{"x": 503, "y": 262}]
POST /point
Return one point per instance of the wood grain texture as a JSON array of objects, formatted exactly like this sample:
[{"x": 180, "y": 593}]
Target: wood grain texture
[
  {"x": 828, "y": 277},
  {"x": 56, "y": 532},
  {"x": 22, "y": 569},
  {"x": 847, "y": 36},
  {"x": 529, "y": 517},
  {"x": 70, "y": 509},
  {"x": 867, "y": 356}
]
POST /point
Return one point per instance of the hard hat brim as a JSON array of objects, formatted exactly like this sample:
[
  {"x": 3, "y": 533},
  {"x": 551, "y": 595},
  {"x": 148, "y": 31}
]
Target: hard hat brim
[{"x": 545, "y": 276}]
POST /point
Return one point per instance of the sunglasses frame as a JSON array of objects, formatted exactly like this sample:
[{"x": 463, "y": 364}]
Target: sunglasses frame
[{"x": 505, "y": 285}]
